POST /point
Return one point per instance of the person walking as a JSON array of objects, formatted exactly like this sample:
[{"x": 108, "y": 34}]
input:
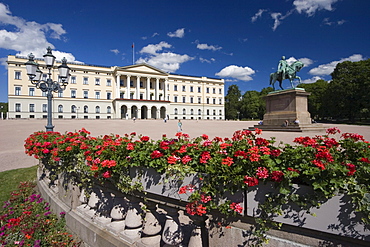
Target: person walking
[{"x": 179, "y": 126}]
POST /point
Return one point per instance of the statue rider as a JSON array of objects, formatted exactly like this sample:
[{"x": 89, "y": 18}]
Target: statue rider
[{"x": 283, "y": 64}]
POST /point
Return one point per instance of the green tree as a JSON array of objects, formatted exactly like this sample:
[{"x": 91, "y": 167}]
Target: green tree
[
  {"x": 232, "y": 102},
  {"x": 250, "y": 105},
  {"x": 350, "y": 89},
  {"x": 263, "y": 93},
  {"x": 317, "y": 103}
]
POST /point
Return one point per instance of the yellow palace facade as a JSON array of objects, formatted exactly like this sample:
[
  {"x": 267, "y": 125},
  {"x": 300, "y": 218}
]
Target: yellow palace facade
[{"x": 137, "y": 91}]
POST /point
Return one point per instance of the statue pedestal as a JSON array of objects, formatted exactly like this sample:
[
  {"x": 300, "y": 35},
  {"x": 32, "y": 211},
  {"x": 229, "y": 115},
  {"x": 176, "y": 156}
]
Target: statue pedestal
[{"x": 287, "y": 106}]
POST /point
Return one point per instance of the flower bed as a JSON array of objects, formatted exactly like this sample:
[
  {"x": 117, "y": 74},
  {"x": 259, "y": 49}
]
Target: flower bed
[{"x": 329, "y": 167}]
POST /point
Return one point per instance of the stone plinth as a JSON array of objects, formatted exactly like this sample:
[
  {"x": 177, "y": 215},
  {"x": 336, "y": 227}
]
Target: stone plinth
[{"x": 287, "y": 106}]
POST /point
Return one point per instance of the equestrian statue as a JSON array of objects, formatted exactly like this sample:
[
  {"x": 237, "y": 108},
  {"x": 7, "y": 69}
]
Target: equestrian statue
[{"x": 286, "y": 71}]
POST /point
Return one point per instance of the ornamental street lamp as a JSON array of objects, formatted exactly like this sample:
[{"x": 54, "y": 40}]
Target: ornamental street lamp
[{"x": 49, "y": 86}]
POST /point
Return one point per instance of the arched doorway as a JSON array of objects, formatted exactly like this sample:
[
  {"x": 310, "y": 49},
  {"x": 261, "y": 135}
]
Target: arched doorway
[
  {"x": 124, "y": 113},
  {"x": 134, "y": 111},
  {"x": 154, "y": 112},
  {"x": 144, "y": 112},
  {"x": 163, "y": 112}
]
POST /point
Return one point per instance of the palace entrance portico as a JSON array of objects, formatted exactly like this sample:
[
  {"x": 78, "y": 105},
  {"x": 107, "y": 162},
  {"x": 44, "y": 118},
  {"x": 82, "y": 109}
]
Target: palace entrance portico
[{"x": 140, "y": 109}]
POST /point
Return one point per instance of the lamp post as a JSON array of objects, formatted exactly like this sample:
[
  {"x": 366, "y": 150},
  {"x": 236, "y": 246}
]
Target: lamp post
[{"x": 49, "y": 86}]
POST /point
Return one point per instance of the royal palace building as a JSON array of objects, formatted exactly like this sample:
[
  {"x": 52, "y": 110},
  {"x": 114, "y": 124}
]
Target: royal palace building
[{"x": 137, "y": 91}]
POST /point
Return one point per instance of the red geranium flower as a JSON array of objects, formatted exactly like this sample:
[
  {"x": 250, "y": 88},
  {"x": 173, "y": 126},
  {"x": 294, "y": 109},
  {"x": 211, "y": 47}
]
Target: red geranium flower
[{"x": 250, "y": 181}]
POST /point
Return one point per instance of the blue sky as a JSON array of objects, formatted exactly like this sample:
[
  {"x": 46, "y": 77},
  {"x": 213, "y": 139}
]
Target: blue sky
[{"x": 241, "y": 41}]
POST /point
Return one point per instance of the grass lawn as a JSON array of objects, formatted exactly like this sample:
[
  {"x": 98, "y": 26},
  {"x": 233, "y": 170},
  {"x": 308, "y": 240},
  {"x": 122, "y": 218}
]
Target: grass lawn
[{"x": 11, "y": 179}]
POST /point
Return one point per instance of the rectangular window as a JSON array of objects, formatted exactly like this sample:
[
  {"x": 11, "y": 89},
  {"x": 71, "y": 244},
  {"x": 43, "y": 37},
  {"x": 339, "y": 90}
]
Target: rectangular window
[
  {"x": 207, "y": 100},
  {"x": 199, "y": 100},
  {"x": 207, "y": 90},
  {"x": 17, "y": 90},
  {"x": 198, "y": 89},
  {"x": 17, "y": 75},
  {"x": 214, "y": 90},
  {"x": 220, "y": 91},
  {"x": 73, "y": 80},
  {"x": 109, "y": 95},
  {"x": 214, "y": 101},
  {"x": 191, "y": 100},
  {"x": 183, "y": 88},
  {"x": 97, "y": 81},
  {"x": 31, "y": 91},
  {"x": 32, "y": 107},
  {"x": 86, "y": 81},
  {"x": 174, "y": 87},
  {"x": 175, "y": 99},
  {"x": 109, "y": 82},
  {"x": 18, "y": 107},
  {"x": 44, "y": 107},
  {"x": 97, "y": 95},
  {"x": 183, "y": 99},
  {"x": 131, "y": 83},
  {"x": 86, "y": 94},
  {"x": 43, "y": 94},
  {"x": 191, "y": 89},
  {"x": 73, "y": 93},
  {"x": 60, "y": 94}
]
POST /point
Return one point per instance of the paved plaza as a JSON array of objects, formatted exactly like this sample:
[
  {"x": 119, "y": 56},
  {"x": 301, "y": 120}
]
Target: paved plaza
[{"x": 14, "y": 132}]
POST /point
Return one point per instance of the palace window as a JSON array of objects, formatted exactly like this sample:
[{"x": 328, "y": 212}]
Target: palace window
[
  {"x": 97, "y": 95},
  {"x": 191, "y": 99},
  {"x": 184, "y": 111},
  {"x": 97, "y": 109},
  {"x": 109, "y": 82},
  {"x": 109, "y": 109},
  {"x": 86, "y": 109},
  {"x": 199, "y": 100},
  {"x": 191, "y": 88},
  {"x": 44, "y": 107},
  {"x": 60, "y": 94},
  {"x": 73, "y": 109},
  {"x": 60, "y": 108},
  {"x": 199, "y": 112},
  {"x": 183, "y": 99},
  {"x": 214, "y": 90},
  {"x": 174, "y": 87},
  {"x": 175, "y": 111},
  {"x": 97, "y": 81},
  {"x": 214, "y": 101},
  {"x": 73, "y": 80},
  {"x": 191, "y": 111},
  {"x": 207, "y": 100},
  {"x": 32, "y": 107},
  {"x": 109, "y": 95},
  {"x": 31, "y": 91},
  {"x": 86, "y": 81},
  {"x": 199, "y": 90},
  {"x": 175, "y": 99},
  {"x": 17, "y": 75},
  {"x": 17, "y": 90},
  {"x": 73, "y": 93},
  {"x": 183, "y": 88},
  {"x": 18, "y": 107},
  {"x": 86, "y": 94},
  {"x": 207, "y": 90}
]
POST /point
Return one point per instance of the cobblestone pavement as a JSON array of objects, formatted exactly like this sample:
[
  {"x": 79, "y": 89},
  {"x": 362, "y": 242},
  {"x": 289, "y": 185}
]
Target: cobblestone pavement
[{"x": 14, "y": 132}]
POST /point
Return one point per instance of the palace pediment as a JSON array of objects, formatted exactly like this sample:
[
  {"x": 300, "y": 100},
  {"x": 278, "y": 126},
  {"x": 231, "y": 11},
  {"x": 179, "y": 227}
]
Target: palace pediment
[{"x": 142, "y": 69}]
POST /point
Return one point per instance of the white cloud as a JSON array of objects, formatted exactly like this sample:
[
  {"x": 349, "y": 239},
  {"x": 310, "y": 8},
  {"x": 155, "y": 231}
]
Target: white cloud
[
  {"x": 278, "y": 17},
  {"x": 306, "y": 61},
  {"x": 208, "y": 47},
  {"x": 115, "y": 51},
  {"x": 311, "y": 6},
  {"x": 204, "y": 60},
  {"x": 327, "y": 69},
  {"x": 153, "y": 49},
  {"x": 240, "y": 73},
  {"x": 167, "y": 61},
  {"x": 179, "y": 33},
  {"x": 312, "y": 80},
  {"x": 29, "y": 36},
  {"x": 330, "y": 23},
  {"x": 258, "y": 14}
]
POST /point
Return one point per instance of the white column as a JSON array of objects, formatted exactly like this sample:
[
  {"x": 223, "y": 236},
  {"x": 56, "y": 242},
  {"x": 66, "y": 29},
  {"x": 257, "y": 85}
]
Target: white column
[
  {"x": 165, "y": 89},
  {"x": 156, "y": 88},
  {"x": 148, "y": 88},
  {"x": 128, "y": 87},
  {"x": 137, "y": 87},
  {"x": 118, "y": 86}
]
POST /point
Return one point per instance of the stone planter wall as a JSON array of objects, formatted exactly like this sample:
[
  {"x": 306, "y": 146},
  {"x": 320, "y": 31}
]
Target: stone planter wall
[{"x": 156, "y": 218}]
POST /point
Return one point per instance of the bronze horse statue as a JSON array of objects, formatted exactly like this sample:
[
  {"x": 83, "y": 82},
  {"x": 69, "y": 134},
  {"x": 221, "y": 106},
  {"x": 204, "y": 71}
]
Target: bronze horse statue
[{"x": 290, "y": 74}]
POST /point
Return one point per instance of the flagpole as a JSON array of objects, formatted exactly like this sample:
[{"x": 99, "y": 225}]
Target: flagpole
[{"x": 133, "y": 53}]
